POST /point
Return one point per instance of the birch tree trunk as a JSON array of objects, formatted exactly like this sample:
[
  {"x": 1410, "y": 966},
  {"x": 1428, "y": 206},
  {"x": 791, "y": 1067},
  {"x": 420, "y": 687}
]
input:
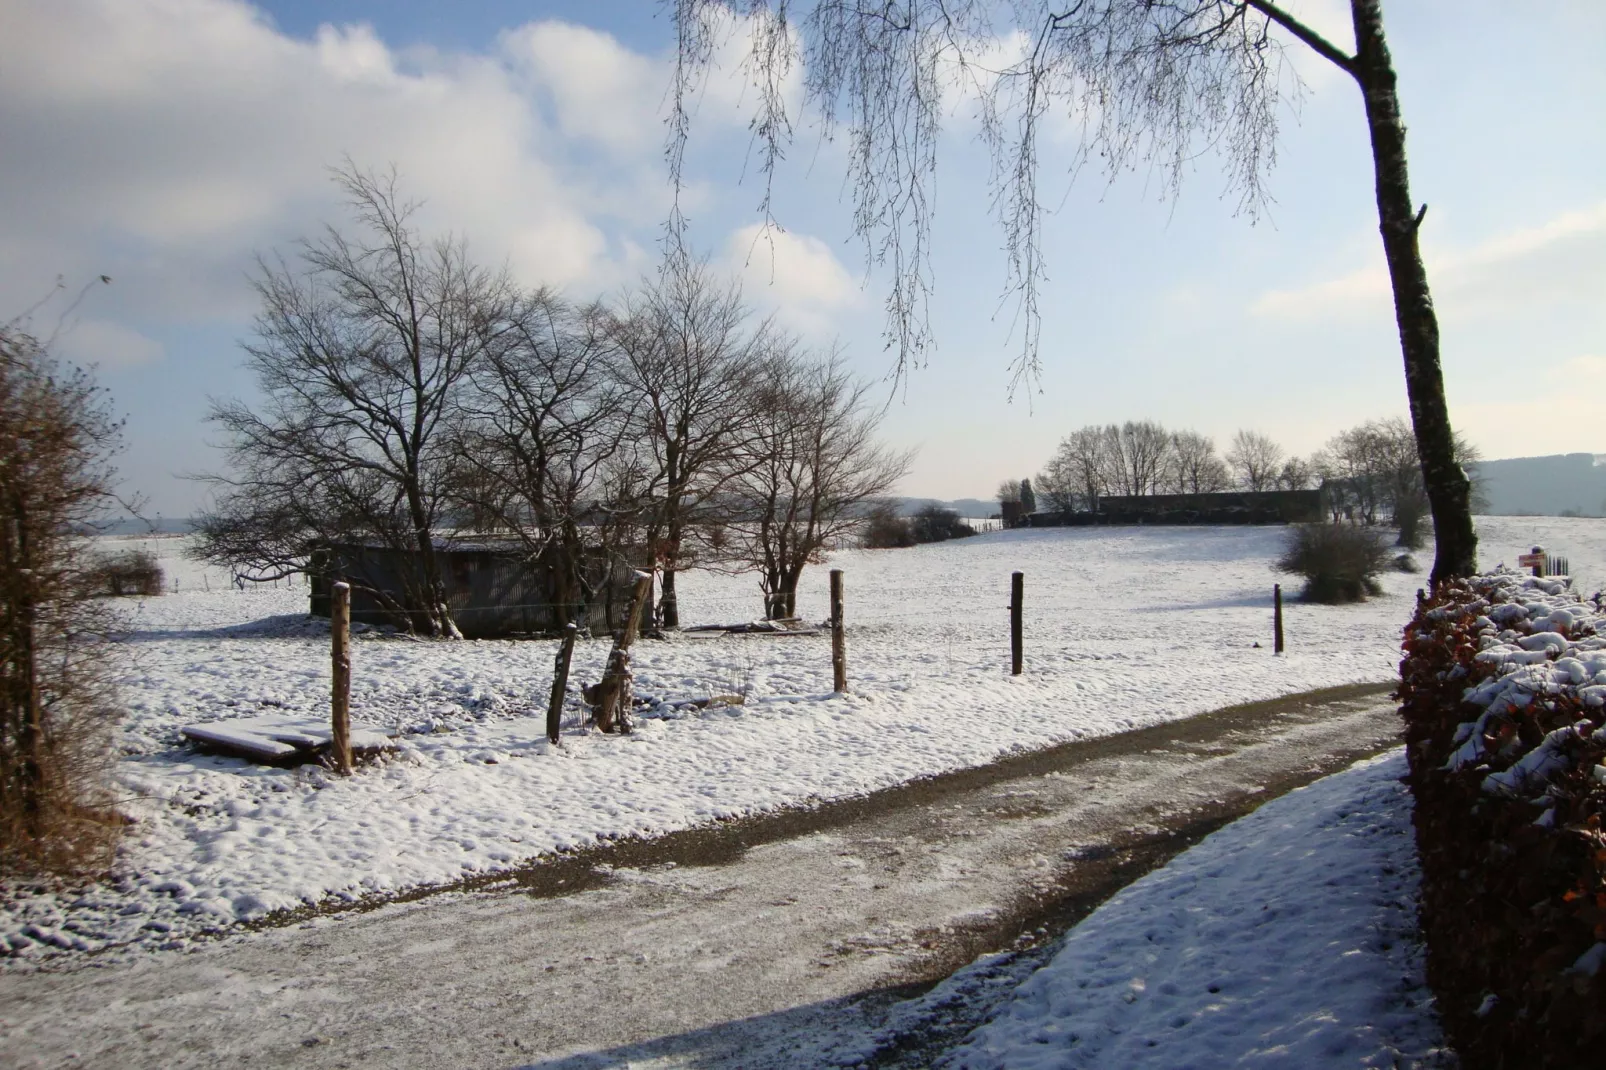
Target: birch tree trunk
[{"x": 1448, "y": 488}]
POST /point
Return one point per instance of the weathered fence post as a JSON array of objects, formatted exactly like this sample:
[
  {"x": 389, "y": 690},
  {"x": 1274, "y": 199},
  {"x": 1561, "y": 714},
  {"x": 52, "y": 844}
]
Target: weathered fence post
[
  {"x": 1277, "y": 619},
  {"x": 340, "y": 693},
  {"x": 839, "y": 640},
  {"x": 610, "y": 698},
  {"x": 560, "y": 683},
  {"x": 1017, "y": 596}
]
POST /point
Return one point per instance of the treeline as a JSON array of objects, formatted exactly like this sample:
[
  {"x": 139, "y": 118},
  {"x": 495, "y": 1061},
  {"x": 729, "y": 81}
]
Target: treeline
[
  {"x": 407, "y": 391},
  {"x": 1367, "y": 473}
]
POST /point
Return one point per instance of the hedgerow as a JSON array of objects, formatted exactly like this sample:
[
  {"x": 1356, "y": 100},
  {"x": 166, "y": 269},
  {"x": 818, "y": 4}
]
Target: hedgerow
[{"x": 1503, "y": 690}]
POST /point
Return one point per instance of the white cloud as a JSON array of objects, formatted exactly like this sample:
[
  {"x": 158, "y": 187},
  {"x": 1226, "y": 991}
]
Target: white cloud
[
  {"x": 1561, "y": 259},
  {"x": 163, "y": 141},
  {"x": 797, "y": 277},
  {"x": 600, "y": 90}
]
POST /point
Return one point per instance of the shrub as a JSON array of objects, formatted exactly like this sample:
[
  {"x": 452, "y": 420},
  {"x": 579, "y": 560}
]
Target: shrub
[
  {"x": 886, "y": 530},
  {"x": 1505, "y": 731},
  {"x": 936, "y": 524},
  {"x": 56, "y": 695},
  {"x": 126, "y": 573},
  {"x": 1339, "y": 562},
  {"x": 1405, "y": 563}
]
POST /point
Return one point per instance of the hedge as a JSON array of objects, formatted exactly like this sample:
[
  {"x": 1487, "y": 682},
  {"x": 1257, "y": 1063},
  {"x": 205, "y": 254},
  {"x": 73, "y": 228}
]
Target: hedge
[{"x": 1503, "y": 691}]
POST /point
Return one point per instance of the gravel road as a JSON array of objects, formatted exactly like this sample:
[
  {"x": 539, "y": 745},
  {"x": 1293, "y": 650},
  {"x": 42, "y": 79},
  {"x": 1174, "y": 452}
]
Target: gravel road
[{"x": 717, "y": 947}]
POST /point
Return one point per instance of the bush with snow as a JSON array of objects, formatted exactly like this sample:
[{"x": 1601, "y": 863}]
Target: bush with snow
[{"x": 1504, "y": 695}]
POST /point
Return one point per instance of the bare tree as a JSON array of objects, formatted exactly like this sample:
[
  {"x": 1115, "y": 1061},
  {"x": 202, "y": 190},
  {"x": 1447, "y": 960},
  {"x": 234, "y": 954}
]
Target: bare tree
[
  {"x": 57, "y": 699},
  {"x": 1149, "y": 81},
  {"x": 1255, "y": 460},
  {"x": 1077, "y": 476},
  {"x": 1354, "y": 467},
  {"x": 1195, "y": 468},
  {"x": 1373, "y": 467},
  {"x": 813, "y": 466},
  {"x": 687, "y": 352},
  {"x": 1008, "y": 491},
  {"x": 360, "y": 356},
  {"x": 535, "y": 438},
  {"x": 1137, "y": 453},
  {"x": 1297, "y": 474}
]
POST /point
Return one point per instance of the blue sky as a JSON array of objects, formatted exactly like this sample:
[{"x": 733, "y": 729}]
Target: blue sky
[{"x": 165, "y": 142}]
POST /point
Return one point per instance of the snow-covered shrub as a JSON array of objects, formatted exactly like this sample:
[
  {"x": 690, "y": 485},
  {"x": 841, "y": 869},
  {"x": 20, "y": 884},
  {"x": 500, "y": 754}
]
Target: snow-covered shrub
[
  {"x": 1503, "y": 691},
  {"x": 1340, "y": 562}
]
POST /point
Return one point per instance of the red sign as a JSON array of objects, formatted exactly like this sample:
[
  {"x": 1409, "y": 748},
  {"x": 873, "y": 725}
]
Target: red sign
[{"x": 1530, "y": 560}]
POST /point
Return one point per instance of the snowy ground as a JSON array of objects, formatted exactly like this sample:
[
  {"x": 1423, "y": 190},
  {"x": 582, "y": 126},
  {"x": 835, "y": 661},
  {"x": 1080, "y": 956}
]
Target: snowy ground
[
  {"x": 1286, "y": 939},
  {"x": 1124, "y": 627}
]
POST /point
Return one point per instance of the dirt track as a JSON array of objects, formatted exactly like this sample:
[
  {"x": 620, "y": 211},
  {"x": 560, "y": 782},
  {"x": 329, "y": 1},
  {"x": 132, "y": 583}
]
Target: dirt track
[{"x": 698, "y": 947}]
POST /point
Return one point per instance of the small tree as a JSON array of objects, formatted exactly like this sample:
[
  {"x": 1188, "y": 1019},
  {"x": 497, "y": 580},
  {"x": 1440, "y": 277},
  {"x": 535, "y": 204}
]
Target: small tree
[
  {"x": 1297, "y": 474},
  {"x": 1194, "y": 467},
  {"x": 1077, "y": 475},
  {"x": 811, "y": 465},
  {"x": 686, "y": 353},
  {"x": 1136, "y": 454},
  {"x": 535, "y": 438},
  {"x": 1256, "y": 460},
  {"x": 57, "y": 702},
  {"x": 1028, "y": 498}
]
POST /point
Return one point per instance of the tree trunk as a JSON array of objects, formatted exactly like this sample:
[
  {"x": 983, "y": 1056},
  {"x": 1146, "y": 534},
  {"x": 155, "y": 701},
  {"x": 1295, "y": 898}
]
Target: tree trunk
[
  {"x": 437, "y": 610},
  {"x": 669, "y": 608},
  {"x": 1449, "y": 490}
]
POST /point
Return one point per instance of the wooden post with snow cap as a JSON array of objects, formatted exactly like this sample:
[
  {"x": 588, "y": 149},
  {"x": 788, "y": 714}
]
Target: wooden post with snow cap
[
  {"x": 560, "y": 683},
  {"x": 839, "y": 639},
  {"x": 1017, "y": 597},
  {"x": 1277, "y": 618},
  {"x": 340, "y": 692}
]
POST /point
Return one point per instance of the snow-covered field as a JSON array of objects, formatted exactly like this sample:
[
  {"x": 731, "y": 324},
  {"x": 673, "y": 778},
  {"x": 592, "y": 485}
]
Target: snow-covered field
[{"x": 1124, "y": 627}]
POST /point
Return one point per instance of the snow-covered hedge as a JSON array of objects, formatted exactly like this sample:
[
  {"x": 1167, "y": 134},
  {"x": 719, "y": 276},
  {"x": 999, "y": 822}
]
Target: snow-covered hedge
[{"x": 1503, "y": 690}]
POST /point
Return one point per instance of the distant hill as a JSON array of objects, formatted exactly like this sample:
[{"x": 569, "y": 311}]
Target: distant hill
[
  {"x": 1563, "y": 484},
  {"x": 157, "y": 526},
  {"x": 965, "y": 507}
]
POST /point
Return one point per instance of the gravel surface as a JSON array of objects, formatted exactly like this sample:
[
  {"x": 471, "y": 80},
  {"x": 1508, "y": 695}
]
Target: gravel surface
[{"x": 719, "y": 946}]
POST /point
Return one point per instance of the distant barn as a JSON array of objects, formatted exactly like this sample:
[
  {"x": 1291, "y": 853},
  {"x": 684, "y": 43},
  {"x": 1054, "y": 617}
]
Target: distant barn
[
  {"x": 1226, "y": 507},
  {"x": 494, "y": 590}
]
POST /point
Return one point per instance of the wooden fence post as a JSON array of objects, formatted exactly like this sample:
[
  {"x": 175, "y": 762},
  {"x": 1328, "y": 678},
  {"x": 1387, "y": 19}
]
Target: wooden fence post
[
  {"x": 1277, "y": 619},
  {"x": 560, "y": 683},
  {"x": 1017, "y": 596},
  {"x": 839, "y": 641},
  {"x": 340, "y": 693}
]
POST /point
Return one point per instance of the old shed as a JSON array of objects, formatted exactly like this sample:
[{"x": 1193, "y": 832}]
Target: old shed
[{"x": 494, "y": 589}]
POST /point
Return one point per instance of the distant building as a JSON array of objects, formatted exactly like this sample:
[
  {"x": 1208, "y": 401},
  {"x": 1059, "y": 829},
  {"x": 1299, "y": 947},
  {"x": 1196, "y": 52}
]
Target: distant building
[
  {"x": 1225, "y": 507},
  {"x": 494, "y": 590}
]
